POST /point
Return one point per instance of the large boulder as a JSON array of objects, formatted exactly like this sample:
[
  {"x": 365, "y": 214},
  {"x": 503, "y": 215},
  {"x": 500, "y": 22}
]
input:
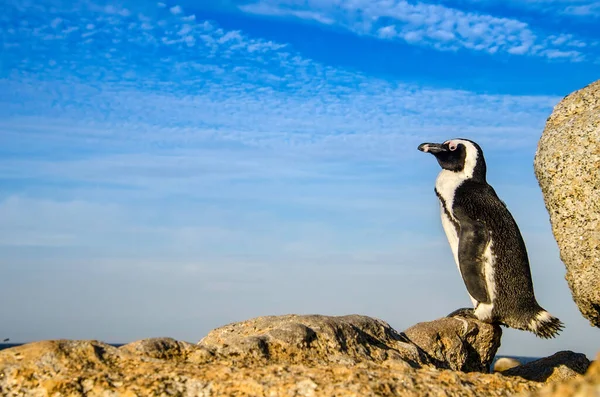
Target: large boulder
[
  {"x": 449, "y": 343},
  {"x": 312, "y": 338},
  {"x": 567, "y": 166}
]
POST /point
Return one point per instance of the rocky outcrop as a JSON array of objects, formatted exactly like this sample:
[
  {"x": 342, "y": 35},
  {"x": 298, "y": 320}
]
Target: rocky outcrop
[
  {"x": 275, "y": 355},
  {"x": 559, "y": 367},
  {"x": 449, "y": 343},
  {"x": 581, "y": 386},
  {"x": 567, "y": 166},
  {"x": 313, "y": 339},
  {"x": 91, "y": 368}
]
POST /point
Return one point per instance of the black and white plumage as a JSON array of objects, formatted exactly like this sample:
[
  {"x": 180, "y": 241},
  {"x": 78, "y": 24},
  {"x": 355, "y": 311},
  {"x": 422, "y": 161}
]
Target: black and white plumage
[{"x": 486, "y": 242}]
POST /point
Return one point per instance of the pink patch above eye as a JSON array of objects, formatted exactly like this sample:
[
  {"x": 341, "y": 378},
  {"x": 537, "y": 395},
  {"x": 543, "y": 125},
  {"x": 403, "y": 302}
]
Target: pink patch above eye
[{"x": 452, "y": 146}]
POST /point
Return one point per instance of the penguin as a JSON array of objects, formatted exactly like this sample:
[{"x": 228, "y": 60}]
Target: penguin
[{"x": 486, "y": 242}]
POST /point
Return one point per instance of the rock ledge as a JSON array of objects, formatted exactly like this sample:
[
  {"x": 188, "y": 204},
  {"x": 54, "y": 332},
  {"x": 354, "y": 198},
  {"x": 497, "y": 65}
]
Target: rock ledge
[{"x": 284, "y": 356}]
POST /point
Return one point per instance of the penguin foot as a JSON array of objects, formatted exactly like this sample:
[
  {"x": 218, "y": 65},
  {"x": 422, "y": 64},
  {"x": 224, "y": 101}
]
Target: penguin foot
[{"x": 463, "y": 312}]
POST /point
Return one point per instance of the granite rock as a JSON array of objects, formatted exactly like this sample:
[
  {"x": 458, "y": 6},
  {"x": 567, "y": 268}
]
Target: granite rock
[
  {"x": 457, "y": 343},
  {"x": 504, "y": 363},
  {"x": 449, "y": 343},
  {"x": 559, "y": 367},
  {"x": 274, "y": 356},
  {"x": 160, "y": 348},
  {"x": 92, "y": 368},
  {"x": 567, "y": 166},
  {"x": 312, "y": 338},
  {"x": 587, "y": 385}
]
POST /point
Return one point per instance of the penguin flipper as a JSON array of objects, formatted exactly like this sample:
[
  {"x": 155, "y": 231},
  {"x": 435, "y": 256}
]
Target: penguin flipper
[{"x": 472, "y": 242}]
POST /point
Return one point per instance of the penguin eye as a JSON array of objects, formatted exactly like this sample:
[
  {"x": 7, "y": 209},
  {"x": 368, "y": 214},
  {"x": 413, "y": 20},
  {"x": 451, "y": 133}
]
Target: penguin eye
[{"x": 452, "y": 146}]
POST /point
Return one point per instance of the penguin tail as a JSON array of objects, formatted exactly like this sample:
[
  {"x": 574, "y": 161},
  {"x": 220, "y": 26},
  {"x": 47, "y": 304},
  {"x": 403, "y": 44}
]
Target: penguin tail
[{"x": 545, "y": 325}]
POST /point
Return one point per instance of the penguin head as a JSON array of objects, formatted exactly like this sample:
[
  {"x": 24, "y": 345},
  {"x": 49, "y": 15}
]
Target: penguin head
[{"x": 462, "y": 156}]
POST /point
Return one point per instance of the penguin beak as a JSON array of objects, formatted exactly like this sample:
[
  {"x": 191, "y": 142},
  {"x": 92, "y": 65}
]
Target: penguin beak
[{"x": 433, "y": 148}]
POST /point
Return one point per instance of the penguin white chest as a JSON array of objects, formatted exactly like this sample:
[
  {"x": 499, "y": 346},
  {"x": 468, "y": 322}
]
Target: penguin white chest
[{"x": 445, "y": 186}]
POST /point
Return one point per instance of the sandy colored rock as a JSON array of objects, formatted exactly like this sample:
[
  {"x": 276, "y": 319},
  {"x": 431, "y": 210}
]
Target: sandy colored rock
[
  {"x": 504, "y": 363},
  {"x": 449, "y": 343},
  {"x": 91, "y": 368},
  {"x": 559, "y": 367},
  {"x": 279, "y": 356},
  {"x": 582, "y": 386},
  {"x": 160, "y": 348},
  {"x": 567, "y": 166},
  {"x": 313, "y": 339},
  {"x": 456, "y": 343},
  {"x": 169, "y": 349}
]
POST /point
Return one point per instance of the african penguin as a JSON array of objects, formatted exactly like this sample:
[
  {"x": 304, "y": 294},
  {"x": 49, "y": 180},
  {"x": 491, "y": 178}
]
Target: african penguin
[{"x": 486, "y": 242}]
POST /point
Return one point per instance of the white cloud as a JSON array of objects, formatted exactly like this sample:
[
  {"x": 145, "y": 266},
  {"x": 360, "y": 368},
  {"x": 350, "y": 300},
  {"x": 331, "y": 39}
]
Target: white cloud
[
  {"x": 412, "y": 37},
  {"x": 189, "y": 41},
  {"x": 185, "y": 29},
  {"x": 216, "y": 172},
  {"x": 273, "y": 10},
  {"x": 553, "y": 54},
  {"x": 313, "y": 119},
  {"x": 114, "y": 10},
  {"x": 520, "y": 50},
  {"x": 55, "y": 22},
  {"x": 419, "y": 23},
  {"x": 258, "y": 91},
  {"x": 575, "y": 8},
  {"x": 586, "y": 10},
  {"x": 387, "y": 32},
  {"x": 567, "y": 41},
  {"x": 232, "y": 35},
  {"x": 176, "y": 10}
]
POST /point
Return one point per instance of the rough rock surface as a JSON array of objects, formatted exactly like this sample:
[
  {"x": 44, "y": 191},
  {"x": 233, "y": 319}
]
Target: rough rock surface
[
  {"x": 281, "y": 356},
  {"x": 313, "y": 338},
  {"x": 559, "y": 367},
  {"x": 448, "y": 343},
  {"x": 457, "y": 343},
  {"x": 581, "y": 386},
  {"x": 567, "y": 166},
  {"x": 91, "y": 368},
  {"x": 504, "y": 363},
  {"x": 160, "y": 348},
  {"x": 304, "y": 356}
]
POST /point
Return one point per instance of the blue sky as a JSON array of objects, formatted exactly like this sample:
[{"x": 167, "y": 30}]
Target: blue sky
[{"x": 166, "y": 168}]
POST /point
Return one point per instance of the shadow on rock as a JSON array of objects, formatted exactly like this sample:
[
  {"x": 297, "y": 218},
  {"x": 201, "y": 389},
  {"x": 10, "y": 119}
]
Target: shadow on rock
[{"x": 559, "y": 367}]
